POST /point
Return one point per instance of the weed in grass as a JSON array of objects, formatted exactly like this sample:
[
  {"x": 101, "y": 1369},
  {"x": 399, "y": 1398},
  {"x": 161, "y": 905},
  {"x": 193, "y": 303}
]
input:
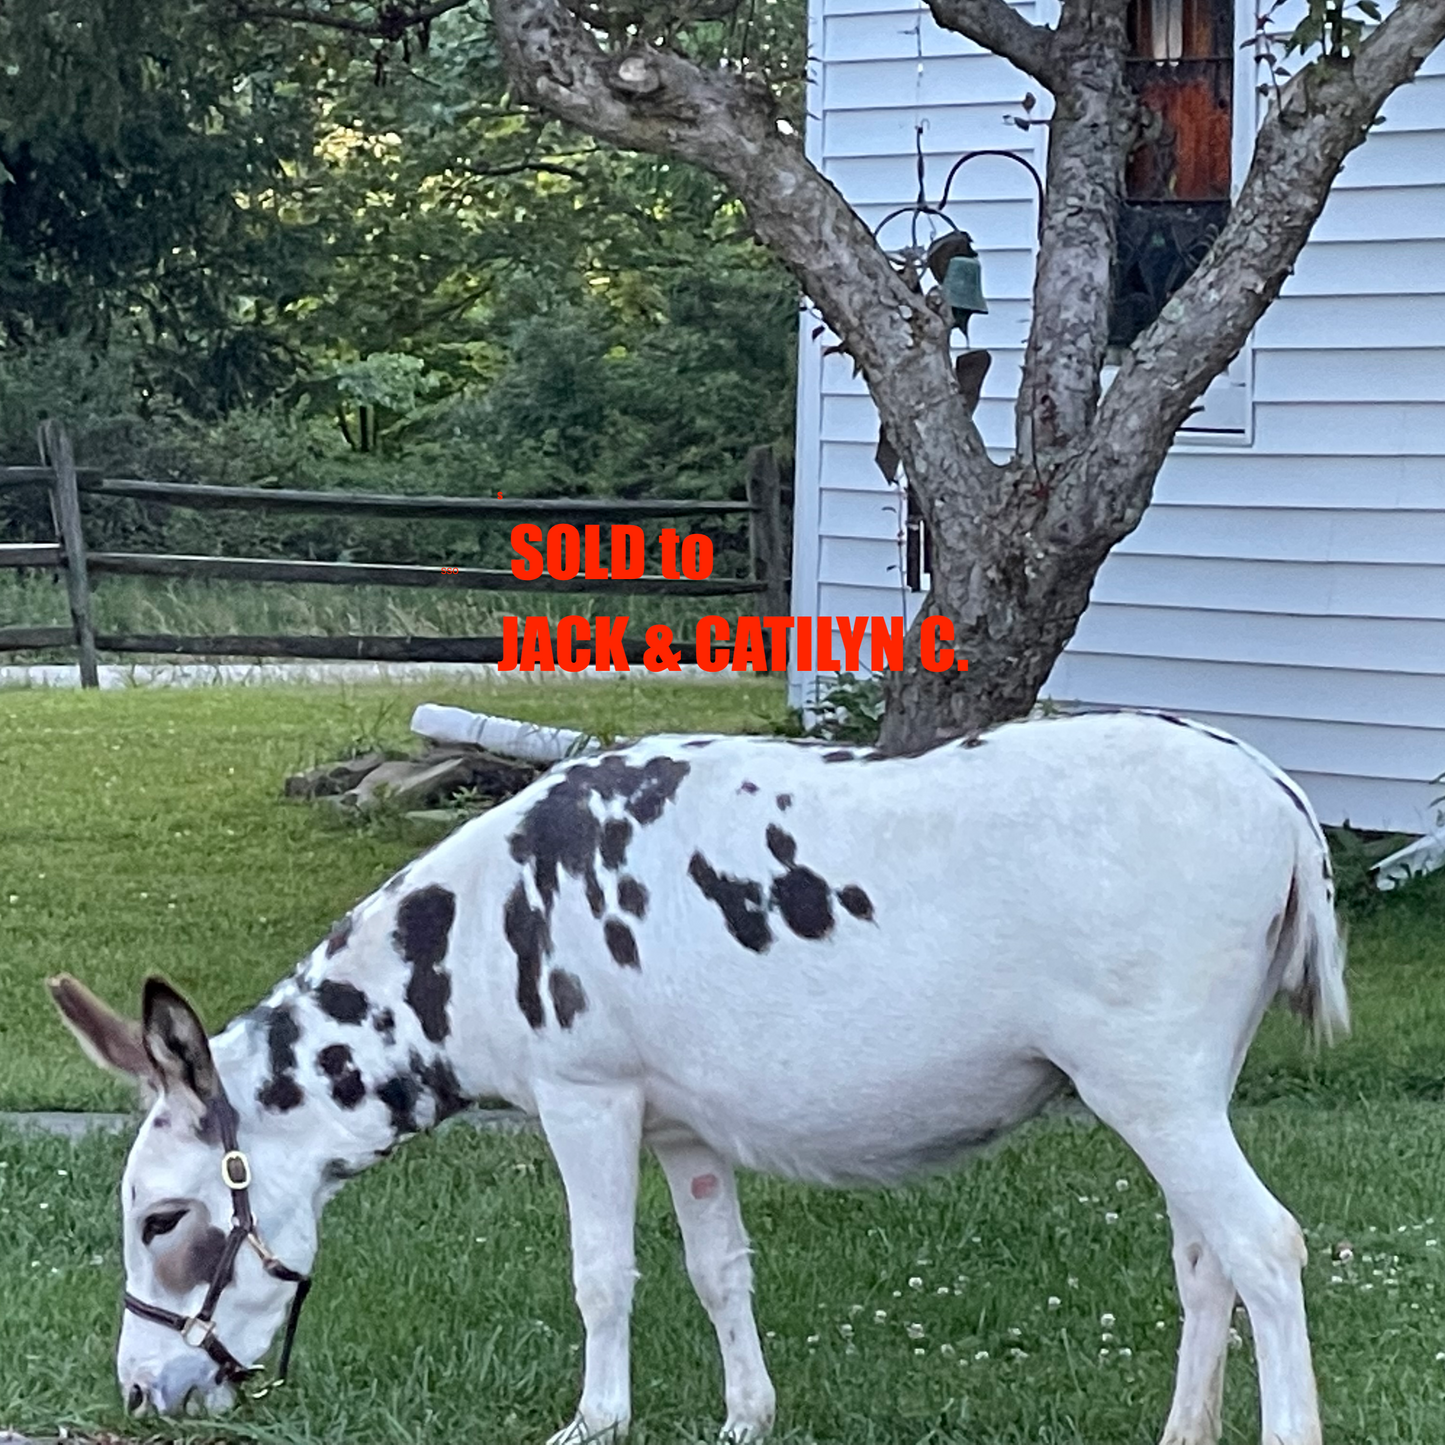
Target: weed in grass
[{"x": 1353, "y": 856}]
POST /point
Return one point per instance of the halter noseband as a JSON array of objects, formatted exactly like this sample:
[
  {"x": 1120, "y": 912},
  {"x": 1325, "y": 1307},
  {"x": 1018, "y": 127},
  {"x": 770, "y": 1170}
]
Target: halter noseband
[{"x": 198, "y": 1330}]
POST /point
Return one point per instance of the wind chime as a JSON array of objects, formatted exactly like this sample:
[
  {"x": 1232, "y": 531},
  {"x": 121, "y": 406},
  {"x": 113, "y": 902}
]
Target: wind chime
[{"x": 953, "y": 262}]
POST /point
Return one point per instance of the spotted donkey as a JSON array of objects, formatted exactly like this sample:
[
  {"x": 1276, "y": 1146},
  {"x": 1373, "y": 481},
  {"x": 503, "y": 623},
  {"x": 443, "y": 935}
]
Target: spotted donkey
[{"x": 801, "y": 959}]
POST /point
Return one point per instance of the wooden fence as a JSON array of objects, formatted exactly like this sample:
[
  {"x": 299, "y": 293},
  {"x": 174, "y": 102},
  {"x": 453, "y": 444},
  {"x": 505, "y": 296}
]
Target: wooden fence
[{"x": 69, "y": 486}]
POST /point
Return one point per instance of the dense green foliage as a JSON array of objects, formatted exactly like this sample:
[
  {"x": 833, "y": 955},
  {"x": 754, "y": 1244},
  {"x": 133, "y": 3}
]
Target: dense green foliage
[{"x": 244, "y": 251}]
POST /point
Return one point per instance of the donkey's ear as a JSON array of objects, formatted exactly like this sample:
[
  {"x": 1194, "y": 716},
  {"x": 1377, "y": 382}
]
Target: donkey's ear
[
  {"x": 107, "y": 1039},
  {"x": 176, "y": 1043}
]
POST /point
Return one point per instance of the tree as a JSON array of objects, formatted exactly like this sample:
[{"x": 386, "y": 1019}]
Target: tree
[
  {"x": 344, "y": 251},
  {"x": 1016, "y": 544},
  {"x": 137, "y": 166}
]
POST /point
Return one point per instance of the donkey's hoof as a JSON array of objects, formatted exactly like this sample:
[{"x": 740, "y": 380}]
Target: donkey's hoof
[
  {"x": 585, "y": 1430},
  {"x": 745, "y": 1432}
]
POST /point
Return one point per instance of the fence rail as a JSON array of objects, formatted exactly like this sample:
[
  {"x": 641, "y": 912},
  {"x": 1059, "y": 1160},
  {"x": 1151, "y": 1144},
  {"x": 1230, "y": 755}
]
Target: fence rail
[
  {"x": 70, "y": 487},
  {"x": 371, "y": 504}
]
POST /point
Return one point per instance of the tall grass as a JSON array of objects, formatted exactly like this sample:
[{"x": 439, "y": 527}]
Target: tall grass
[{"x": 177, "y": 606}]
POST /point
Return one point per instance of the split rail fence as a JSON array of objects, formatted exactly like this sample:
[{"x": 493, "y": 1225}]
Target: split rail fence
[{"x": 70, "y": 486}]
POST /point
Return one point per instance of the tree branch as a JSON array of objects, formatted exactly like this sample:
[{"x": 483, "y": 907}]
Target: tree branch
[
  {"x": 1089, "y": 138},
  {"x": 1318, "y": 118},
  {"x": 390, "y": 23},
  {"x": 549, "y": 168},
  {"x": 650, "y": 99},
  {"x": 998, "y": 27}
]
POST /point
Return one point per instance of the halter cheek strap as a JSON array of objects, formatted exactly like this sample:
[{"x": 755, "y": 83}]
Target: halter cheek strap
[{"x": 198, "y": 1330}]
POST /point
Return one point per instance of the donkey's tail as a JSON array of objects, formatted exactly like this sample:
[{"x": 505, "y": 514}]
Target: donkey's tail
[{"x": 1309, "y": 955}]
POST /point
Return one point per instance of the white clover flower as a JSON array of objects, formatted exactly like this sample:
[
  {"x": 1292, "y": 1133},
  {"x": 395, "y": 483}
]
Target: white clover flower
[
  {"x": 1107, "y": 1321},
  {"x": 915, "y": 1331},
  {"x": 1053, "y": 1301},
  {"x": 914, "y": 1282}
]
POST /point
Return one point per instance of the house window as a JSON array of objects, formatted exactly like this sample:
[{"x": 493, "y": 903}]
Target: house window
[{"x": 1177, "y": 180}]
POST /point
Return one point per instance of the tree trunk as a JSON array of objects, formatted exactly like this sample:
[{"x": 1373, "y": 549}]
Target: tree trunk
[{"x": 1014, "y": 588}]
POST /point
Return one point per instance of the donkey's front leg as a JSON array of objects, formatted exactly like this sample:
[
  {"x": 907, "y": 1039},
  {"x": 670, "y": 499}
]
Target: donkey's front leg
[{"x": 595, "y": 1132}]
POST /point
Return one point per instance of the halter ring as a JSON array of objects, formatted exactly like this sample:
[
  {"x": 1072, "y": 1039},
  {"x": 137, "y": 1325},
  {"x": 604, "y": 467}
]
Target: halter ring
[
  {"x": 232, "y": 1182},
  {"x": 207, "y": 1326},
  {"x": 259, "y": 1245}
]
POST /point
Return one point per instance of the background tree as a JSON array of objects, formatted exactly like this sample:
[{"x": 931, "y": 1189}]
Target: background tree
[
  {"x": 264, "y": 252},
  {"x": 1016, "y": 544}
]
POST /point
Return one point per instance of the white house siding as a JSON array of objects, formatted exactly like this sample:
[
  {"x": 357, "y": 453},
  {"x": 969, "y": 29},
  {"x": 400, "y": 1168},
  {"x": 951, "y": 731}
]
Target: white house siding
[{"x": 1288, "y": 582}]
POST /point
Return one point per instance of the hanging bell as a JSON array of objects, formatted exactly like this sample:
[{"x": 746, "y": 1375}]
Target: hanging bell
[
  {"x": 956, "y": 267},
  {"x": 963, "y": 287}
]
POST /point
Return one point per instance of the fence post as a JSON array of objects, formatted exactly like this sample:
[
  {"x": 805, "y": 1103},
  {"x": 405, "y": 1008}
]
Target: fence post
[
  {"x": 767, "y": 542},
  {"x": 65, "y": 507}
]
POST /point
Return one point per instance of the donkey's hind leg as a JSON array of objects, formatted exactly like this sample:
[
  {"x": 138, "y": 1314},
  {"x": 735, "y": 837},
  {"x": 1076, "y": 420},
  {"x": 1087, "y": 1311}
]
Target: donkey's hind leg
[
  {"x": 1189, "y": 1147},
  {"x": 1207, "y": 1295},
  {"x": 705, "y": 1197}
]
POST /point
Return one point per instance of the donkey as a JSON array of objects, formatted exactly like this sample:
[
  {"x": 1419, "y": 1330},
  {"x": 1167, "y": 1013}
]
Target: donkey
[{"x": 805, "y": 959}]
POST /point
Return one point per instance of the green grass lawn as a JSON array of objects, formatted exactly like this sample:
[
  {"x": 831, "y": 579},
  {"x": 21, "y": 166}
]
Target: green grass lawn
[
  {"x": 968, "y": 1309},
  {"x": 144, "y": 831}
]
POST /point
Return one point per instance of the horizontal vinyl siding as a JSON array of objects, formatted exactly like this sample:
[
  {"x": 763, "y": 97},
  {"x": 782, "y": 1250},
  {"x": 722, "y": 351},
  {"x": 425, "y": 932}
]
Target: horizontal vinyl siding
[
  {"x": 1288, "y": 584},
  {"x": 1316, "y": 694}
]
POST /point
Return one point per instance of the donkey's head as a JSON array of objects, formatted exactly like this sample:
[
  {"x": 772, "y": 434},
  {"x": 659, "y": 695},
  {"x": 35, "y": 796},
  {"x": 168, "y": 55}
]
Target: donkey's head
[{"x": 205, "y": 1199}]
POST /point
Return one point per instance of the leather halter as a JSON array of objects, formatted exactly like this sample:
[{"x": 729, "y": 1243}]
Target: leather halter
[{"x": 198, "y": 1330}]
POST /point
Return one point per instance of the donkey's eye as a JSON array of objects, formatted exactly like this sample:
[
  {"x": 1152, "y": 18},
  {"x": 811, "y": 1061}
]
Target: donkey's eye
[{"x": 160, "y": 1224}]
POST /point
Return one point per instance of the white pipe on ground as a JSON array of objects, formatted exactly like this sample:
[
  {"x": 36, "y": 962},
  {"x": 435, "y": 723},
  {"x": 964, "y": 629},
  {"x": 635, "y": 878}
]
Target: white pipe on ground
[
  {"x": 505, "y": 736},
  {"x": 1424, "y": 855}
]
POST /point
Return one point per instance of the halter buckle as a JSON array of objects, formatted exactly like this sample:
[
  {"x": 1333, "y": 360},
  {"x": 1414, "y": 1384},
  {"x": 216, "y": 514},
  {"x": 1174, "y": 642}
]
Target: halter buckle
[
  {"x": 207, "y": 1328},
  {"x": 233, "y": 1180}
]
